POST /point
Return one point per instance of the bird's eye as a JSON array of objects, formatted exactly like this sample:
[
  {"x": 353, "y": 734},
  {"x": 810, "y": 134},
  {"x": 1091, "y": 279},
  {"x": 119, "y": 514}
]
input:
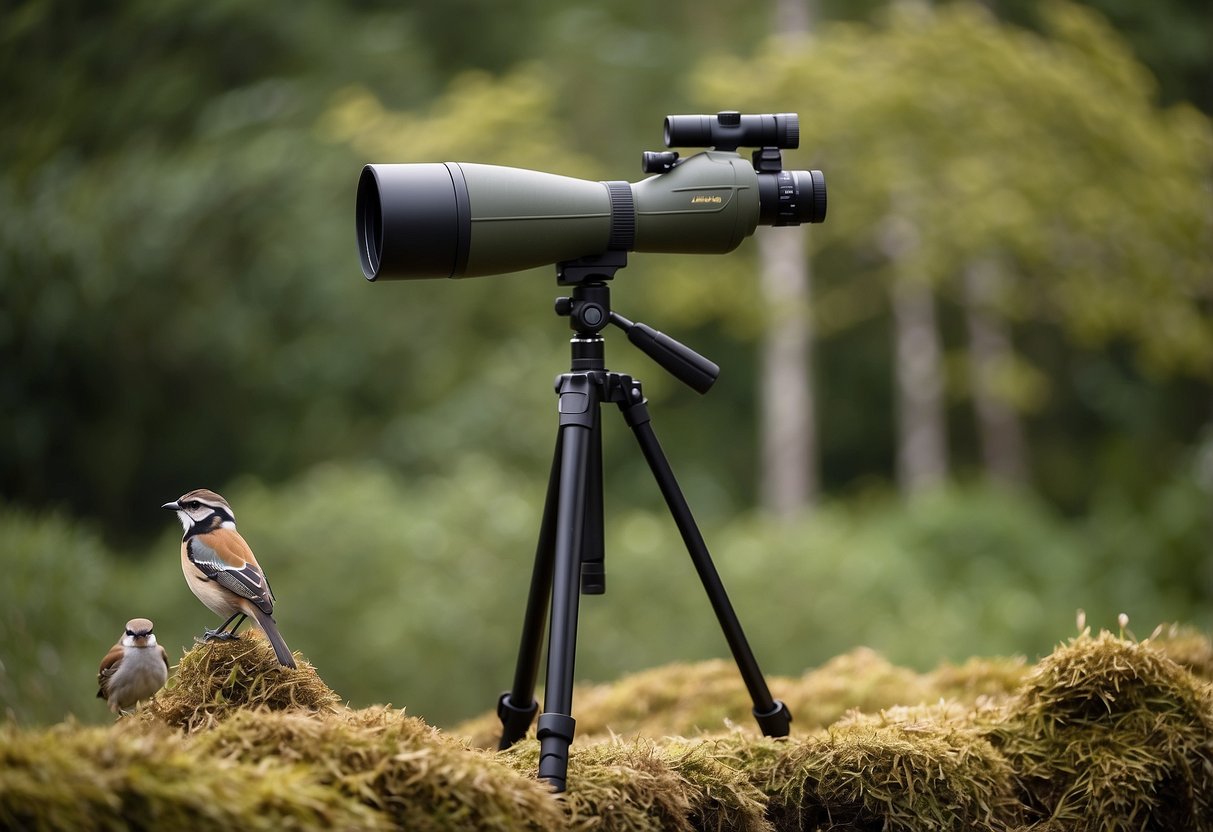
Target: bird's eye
[
  {"x": 193, "y": 504},
  {"x": 130, "y": 633}
]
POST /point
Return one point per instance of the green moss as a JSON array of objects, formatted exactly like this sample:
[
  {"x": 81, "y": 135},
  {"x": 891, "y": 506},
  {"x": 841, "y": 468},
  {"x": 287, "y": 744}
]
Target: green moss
[
  {"x": 1105, "y": 733},
  {"x": 1187, "y": 647},
  {"x": 1114, "y": 734},
  {"x": 220, "y": 678},
  {"x": 686, "y": 699},
  {"x": 618, "y": 785},
  {"x": 418, "y": 777},
  {"x": 977, "y": 679},
  {"x": 880, "y": 774},
  {"x": 137, "y": 776}
]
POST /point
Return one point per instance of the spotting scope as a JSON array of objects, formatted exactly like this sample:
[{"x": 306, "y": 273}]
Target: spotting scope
[{"x": 461, "y": 219}]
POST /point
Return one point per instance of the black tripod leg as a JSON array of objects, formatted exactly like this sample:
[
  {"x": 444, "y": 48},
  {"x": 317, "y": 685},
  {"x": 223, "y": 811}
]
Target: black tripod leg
[
  {"x": 772, "y": 715},
  {"x": 517, "y": 707},
  {"x": 578, "y": 405},
  {"x": 593, "y": 545}
]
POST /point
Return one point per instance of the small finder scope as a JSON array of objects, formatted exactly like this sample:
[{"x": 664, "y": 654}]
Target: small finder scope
[{"x": 729, "y": 130}]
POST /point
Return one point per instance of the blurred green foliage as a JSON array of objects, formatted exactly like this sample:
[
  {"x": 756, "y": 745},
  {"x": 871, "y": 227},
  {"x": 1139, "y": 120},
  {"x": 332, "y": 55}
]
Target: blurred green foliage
[
  {"x": 57, "y": 609},
  {"x": 181, "y": 307},
  {"x": 176, "y": 260},
  {"x": 961, "y": 143}
]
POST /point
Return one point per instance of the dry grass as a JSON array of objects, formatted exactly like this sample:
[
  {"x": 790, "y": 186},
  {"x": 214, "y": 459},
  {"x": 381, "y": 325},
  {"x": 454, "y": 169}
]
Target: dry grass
[{"x": 1105, "y": 733}]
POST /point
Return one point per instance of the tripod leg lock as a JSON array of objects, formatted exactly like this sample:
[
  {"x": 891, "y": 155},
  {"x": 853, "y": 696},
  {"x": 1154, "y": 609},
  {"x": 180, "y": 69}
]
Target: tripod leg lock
[
  {"x": 776, "y": 722},
  {"x": 555, "y": 735},
  {"x": 514, "y": 720},
  {"x": 593, "y": 578}
]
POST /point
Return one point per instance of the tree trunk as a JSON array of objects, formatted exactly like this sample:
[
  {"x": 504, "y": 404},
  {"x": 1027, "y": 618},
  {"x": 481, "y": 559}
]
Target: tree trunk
[
  {"x": 794, "y": 17},
  {"x": 922, "y": 428},
  {"x": 922, "y": 451},
  {"x": 789, "y": 436},
  {"x": 1003, "y": 450},
  {"x": 788, "y": 480}
]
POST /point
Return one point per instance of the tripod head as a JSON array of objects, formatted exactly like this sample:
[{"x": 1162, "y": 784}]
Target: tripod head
[{"x": 589, "y": 312}]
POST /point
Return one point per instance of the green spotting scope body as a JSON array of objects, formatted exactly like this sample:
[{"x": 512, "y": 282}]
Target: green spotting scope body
[{"x": 460, "y": 219}]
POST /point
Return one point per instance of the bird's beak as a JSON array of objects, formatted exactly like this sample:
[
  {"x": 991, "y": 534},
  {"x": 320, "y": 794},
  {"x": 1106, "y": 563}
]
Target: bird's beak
[{"x": 173, "y": 506}]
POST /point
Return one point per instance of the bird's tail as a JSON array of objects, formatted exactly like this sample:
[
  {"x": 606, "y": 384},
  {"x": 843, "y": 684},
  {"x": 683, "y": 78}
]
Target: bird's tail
[{"x": 270, "y": 629}]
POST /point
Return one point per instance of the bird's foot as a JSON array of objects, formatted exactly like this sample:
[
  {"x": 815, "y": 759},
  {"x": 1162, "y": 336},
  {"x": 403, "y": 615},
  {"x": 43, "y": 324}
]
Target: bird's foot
[{"x": 215, "y": 635}]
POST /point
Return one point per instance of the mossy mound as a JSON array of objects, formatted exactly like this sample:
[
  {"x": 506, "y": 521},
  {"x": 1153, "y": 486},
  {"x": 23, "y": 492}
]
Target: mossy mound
[
  {"x": 1114, "y": 735},
  {"x": 399, "y": 765},
  {"x": 977, "y": 680},
  {"x": 1187, "y": 647},
  {"x": 666, "y": 700},
  {"x": 142, "y": 776},
  {"x": 866, "y": 681},
  {"x": 1105, "y": 733},
  {"x": 880, "y": 774},
  {"x": 710, "y": 697},
  {"x": 220, "y": 678},
  {"x": 618, "y": 785}
]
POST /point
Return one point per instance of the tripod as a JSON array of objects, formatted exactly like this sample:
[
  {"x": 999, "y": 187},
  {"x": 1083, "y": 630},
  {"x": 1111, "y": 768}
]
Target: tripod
[{"x": 569, "y": 554}]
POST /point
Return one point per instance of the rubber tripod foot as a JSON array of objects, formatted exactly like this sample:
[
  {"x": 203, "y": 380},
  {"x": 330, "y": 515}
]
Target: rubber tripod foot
[
  {"x": 514, "y": 720},
  {"x": 555, "y": 736},
  {"x": 776, "y": 722}
]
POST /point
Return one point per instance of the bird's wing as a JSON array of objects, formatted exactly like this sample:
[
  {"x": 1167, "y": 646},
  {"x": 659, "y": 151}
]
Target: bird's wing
[
  {"x": 223, "y": 557},
  {"x": 163, "y": 657},
  {"x": 108, "y": 666}
]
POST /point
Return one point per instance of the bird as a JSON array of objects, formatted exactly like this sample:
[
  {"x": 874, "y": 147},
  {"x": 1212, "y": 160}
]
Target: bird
[
  {"x": 134, "y": 668},
  {"x": 221, "y": 570}
]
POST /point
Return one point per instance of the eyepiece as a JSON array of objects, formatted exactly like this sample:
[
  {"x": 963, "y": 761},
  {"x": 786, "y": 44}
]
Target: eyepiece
[
  {"x": 816, "y": 203},
  {"x": 791, "y": 197},
  {"x": 729, "y": 130}
]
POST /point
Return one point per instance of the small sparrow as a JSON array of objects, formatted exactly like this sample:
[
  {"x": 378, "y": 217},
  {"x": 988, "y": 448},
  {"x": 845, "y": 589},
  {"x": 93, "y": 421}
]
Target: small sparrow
[
  {"x": 134, "y": 668},
  {"x": 221, "y": 570}
]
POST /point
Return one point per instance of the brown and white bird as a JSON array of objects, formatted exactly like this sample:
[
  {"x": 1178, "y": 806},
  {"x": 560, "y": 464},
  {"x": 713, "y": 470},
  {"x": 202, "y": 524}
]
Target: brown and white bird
[
  {"x": 221, "y": 570},
  {"x": 134, "y": 668}
]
